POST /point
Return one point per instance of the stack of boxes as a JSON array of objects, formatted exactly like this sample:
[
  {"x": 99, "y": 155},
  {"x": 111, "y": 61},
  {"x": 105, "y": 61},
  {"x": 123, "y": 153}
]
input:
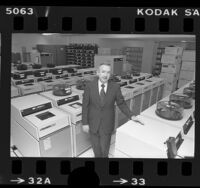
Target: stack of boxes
[
  {"x": 187, "y": 72},
  {"x": 171, "y": 64}
]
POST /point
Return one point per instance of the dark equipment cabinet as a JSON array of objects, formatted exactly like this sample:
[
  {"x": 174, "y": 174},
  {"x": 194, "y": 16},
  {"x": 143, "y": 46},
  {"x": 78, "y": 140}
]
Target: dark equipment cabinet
[{"x": 58, "y": 52}]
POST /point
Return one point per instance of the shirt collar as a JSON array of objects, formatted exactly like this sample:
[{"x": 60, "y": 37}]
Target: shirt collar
[{"x": 100, "y": 83}]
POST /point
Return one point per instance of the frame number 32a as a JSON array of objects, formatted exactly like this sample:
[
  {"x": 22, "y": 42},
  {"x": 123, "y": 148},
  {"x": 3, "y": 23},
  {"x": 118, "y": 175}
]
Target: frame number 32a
[{"x": 39, "y": 180}]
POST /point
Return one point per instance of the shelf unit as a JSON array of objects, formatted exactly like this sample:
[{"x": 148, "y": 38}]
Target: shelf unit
[{"x": 81, "y": 54}]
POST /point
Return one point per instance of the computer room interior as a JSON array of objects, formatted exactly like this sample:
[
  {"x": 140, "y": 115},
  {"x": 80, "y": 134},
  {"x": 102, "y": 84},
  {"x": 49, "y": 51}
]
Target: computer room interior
[{"x": 156, "y": 74}]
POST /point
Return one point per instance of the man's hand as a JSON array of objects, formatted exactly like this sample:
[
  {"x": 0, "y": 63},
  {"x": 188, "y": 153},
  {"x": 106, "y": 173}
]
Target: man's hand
[
  {"x": 85, "y": 128},
  {"x": 137, "y": 120}
]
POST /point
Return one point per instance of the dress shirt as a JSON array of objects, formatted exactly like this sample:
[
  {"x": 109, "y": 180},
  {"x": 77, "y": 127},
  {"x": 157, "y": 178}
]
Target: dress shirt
[{"x": 99, "y": 86}]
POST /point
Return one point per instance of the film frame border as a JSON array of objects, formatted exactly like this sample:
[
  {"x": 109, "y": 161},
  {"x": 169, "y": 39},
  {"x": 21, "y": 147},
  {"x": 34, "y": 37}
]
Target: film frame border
[{"x": 126, "y": 22}]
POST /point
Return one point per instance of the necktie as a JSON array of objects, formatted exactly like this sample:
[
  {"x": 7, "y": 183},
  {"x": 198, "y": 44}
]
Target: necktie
[{"x": 102, "y": 94}]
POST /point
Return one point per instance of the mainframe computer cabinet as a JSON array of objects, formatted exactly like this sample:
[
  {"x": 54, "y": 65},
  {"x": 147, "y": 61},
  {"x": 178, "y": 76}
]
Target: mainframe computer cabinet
[{"x": 58, "y": 52}]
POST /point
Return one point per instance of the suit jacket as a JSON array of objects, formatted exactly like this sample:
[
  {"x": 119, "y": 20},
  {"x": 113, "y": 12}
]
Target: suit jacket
[{"x": 95, "y": 114}]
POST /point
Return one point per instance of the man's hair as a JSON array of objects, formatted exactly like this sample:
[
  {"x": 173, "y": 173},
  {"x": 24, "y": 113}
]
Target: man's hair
[{"x": 104, "y": 63}]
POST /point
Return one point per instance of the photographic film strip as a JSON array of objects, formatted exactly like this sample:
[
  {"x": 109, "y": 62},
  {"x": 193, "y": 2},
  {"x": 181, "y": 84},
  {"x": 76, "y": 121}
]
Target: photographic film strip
[{"x": 42, "y": 142}]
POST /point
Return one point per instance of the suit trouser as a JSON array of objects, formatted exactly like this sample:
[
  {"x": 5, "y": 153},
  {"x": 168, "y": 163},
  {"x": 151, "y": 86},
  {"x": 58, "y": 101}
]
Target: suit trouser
[{"x": 100, "y": 143}]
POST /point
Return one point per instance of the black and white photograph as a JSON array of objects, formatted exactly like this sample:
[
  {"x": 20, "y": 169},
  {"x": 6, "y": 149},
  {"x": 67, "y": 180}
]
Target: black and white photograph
[{"x": 102, "y": 95}]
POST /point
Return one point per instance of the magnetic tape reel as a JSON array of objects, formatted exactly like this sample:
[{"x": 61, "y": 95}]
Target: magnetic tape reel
[
  {"x": 114, "y": 78},
  {"x": 183, "y": 100},
  {"x": 22, "y": 67},
  {"x": 71, "y": 70},
  {"x": 169, "y": 110},
  {"x": 135, "y": 73},
  {"x": 62, "y": 90},
  {"x": 156, "y": 72},
  {"x": 50, "y": 65},
  {"x": 126, "y": 76},
  {"x": 80, "y": 84},
  {"x": 190, "y": 91},
  {"x": 36, "y": 66}
]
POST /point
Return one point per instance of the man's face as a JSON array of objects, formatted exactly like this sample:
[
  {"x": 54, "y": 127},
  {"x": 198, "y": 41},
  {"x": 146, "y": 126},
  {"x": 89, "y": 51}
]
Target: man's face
[{"x": 104, "y": 72}]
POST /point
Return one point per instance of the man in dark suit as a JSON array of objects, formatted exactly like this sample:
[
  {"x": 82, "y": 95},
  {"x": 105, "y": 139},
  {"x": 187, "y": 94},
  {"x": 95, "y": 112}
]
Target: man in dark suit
[{"x": 98, "y": 110}]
